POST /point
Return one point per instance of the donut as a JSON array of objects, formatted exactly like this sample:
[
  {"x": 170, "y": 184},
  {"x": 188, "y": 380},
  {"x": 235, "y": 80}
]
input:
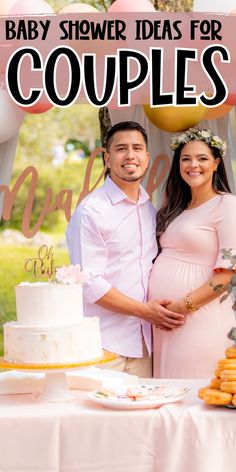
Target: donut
[
  {"x": 216, "y": 397},
  {"x": 215, "y": 383},
  {"x": 228, "y": 375},
  {"x": 224, "y": 364},
  {"x": 231, "y": 352},
  {"x": 234, "y": 400},
  {"x": 229, "y": 387},
  {"x": 217, "y": 373},
  {"x": 202, "y": 391}
]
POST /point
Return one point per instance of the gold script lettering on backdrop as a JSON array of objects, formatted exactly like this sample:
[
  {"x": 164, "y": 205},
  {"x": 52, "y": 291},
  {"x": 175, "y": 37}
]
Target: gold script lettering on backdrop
[
  {"x": 63, "y": 201},
  {"x": 158, "y": 172}
]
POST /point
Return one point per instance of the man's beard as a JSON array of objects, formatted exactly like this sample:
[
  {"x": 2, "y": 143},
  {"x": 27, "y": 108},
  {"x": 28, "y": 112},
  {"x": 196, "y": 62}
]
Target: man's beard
[{"x": 131, "y": 178}]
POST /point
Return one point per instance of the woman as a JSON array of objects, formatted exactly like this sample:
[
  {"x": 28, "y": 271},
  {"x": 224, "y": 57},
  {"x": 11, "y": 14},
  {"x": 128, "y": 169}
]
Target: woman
[{"x": 196, "y": 221}]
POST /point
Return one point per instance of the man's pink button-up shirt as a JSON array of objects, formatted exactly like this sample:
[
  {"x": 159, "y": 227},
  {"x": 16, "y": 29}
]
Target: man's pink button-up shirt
[{"x": 113, "y": 238}]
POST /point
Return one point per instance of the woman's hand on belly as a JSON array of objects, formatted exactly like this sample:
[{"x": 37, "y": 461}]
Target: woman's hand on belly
[
  {"x": 178, "y": 306},
  {"x": 166, "y": 319}
]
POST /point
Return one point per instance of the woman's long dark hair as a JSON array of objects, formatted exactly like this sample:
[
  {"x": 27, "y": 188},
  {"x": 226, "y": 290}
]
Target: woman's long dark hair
[{"x": 178, "y": 194}]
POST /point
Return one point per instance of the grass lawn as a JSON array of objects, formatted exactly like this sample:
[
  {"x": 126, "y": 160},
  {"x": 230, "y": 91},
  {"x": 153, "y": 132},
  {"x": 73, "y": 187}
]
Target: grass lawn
[{"x": 12, "y": 272}]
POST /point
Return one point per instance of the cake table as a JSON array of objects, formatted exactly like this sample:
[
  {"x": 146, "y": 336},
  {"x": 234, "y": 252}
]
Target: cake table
[{"x": 82, "y": 436}]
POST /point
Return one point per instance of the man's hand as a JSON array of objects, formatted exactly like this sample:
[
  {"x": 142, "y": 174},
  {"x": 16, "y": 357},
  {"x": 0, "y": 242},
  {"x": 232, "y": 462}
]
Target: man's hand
[
  {"x": 153, "y": 311},
  {"x": 163, "y": 318}
]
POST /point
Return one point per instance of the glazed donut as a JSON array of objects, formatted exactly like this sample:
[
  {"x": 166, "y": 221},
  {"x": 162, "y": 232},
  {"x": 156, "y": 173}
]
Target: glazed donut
[
  {"x": 215, "y": 383},
  {"x": 229, "y": 387},
  {"x": 234, "y": 400},
  {"x": 202, "y": 391},
  {"x": 216, "y": 397},
  {"x": 217, "y": 373},
  {"x": 228, "y": 375},
  {"x": 231, "y": 352},
  {"x": 224, "y": 364}
]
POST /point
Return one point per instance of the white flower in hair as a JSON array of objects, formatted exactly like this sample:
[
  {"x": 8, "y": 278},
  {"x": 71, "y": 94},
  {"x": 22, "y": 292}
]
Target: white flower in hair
[
  {"x": 216, "y": 139},
  {"x": 205, "y": 135}
]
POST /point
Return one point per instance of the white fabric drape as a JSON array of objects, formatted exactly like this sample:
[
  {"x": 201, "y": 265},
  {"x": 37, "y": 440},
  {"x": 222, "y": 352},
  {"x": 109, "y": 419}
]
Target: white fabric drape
[{"x": 218, "y": 6}]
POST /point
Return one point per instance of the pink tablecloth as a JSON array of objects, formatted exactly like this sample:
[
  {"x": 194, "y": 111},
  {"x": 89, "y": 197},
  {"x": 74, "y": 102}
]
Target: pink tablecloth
[{"x": 80, "y": 436}]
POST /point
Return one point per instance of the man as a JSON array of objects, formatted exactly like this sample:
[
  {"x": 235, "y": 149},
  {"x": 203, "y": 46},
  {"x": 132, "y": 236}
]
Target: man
[{"x": 112, "y": 236}]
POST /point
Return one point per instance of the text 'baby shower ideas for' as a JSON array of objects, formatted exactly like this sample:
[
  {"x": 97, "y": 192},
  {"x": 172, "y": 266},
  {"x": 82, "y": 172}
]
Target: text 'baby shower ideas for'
[{"x": 126, "y": 61}]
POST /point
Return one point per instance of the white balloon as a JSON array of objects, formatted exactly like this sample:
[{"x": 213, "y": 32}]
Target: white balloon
[
  {"x": 5, "y": 6},
  {"x": 215, "y": 6},
  {"x": 11, "y": 117},
  {"x": 30, "y": 7}
]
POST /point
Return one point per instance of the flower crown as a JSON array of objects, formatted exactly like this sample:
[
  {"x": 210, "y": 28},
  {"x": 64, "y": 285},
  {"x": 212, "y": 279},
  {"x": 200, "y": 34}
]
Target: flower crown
[{"x": 195, "y": 134}]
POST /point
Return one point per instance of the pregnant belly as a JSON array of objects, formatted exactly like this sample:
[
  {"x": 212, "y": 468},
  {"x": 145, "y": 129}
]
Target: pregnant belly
[{"x": 172, "y": 279}]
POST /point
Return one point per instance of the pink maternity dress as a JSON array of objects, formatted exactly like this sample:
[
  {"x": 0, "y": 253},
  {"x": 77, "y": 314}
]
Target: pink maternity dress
[{"x": 191, "y": 251}]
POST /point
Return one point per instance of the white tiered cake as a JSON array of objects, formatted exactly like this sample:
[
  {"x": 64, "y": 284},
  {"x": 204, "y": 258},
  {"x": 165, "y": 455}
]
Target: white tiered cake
[{"x": 50, "y": 327}]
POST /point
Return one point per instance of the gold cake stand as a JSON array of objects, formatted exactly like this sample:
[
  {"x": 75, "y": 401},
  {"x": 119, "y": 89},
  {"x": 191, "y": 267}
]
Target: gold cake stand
[{"x": 55, "y": 385}]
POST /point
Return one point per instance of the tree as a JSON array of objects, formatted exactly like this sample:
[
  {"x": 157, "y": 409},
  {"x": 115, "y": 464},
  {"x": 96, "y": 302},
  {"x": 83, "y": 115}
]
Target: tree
[
  {"x": 173, "y": 5},
  {"x": 161, "y": 5}
]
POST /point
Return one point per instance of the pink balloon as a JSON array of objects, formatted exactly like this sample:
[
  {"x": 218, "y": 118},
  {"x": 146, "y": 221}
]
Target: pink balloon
[
  {"x": 5, "y": 6},
  {"x": 79, "y": 8},
  {"x": 121, "y": 6},
  {"x": 43, "y": 105},
  {"x": 23, "y": 8},
  {"x": 231, "y": 100},
  {"x": 30, "y": 7},
  {"x": 25, "y": 78},
  {"x": 38, "y": 108}
]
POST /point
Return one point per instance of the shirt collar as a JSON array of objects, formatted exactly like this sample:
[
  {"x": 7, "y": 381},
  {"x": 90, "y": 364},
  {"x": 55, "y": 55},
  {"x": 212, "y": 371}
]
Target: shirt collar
[{"x": 116, "y": 195}]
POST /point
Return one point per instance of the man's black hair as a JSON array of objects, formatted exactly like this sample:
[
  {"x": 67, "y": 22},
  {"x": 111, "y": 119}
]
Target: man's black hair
[{"x": 125, "y": 126}]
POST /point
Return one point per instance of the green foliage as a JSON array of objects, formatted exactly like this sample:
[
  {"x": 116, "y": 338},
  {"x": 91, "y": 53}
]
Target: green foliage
[
  {"x": 73, "y": 144},
  {"x": 103, "y": 5},
  {"x": 230, "y": 288},
  {"x": 12, "y": 272},
  {"x": 173, "y": 5},
  {"x": 57, "y": 5},
  {"x": 45, "y": 181},
  {"x": 67, "y": 176},
  {"x": 40, "y": 133}
]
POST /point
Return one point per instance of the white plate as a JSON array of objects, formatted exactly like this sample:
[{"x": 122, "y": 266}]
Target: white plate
[{"x": 119, "y": 403}]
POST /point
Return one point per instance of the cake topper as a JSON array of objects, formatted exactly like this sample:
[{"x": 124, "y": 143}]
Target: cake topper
[{"x": 43, "y": 265}]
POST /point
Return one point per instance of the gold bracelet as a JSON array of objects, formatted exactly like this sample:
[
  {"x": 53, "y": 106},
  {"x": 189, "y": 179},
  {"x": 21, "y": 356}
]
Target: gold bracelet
[{"x": 189, "y": 304}]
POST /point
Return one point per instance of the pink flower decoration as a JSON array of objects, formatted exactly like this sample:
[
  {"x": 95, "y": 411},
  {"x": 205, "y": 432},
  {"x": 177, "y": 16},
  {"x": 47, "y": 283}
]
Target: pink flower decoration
[{"x": 71, "y": 274}]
